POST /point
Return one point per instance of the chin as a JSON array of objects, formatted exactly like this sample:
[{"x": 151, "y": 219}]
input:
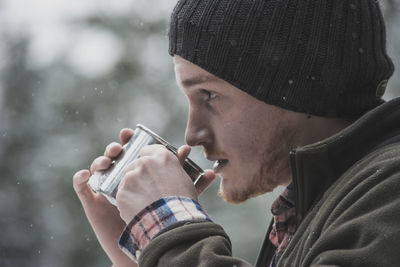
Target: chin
[
  {"x": 235, "y": 192},
  {"x": 236, "y": 195},
  {"x": 229, "y": 198}
]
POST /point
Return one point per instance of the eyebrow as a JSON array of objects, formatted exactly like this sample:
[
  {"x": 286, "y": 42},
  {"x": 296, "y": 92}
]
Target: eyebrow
[{"x": 198, "y": 80}]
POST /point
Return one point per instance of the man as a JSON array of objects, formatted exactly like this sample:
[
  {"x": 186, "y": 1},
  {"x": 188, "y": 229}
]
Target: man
[{"x": 265, "y": 80}]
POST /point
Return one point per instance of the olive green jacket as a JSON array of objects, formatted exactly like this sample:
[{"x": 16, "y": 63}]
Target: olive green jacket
[{"x": 347, "y": 191}]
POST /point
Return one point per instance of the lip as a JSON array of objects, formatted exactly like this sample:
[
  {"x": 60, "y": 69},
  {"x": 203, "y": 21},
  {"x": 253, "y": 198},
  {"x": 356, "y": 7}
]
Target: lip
[
  {"x": 210, "y": 158},
  {"x": 219, "y": 165},
  {"x": 213, "y": 158}
]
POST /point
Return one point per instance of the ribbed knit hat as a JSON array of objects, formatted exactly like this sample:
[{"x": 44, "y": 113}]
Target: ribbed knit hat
[{"x": 321, "y": 57}]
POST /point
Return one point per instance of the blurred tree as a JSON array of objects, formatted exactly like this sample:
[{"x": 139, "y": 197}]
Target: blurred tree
[
  {"x": 20, "y": 136},
  {"x": 55, "y": 120}
]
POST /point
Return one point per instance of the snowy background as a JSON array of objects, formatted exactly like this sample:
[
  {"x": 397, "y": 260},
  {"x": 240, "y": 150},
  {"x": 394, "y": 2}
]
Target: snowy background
[{"x": 72, "y": 74}]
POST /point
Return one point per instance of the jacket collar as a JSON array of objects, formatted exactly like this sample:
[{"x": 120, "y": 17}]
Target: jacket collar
[{"x": 315, "y": 167}]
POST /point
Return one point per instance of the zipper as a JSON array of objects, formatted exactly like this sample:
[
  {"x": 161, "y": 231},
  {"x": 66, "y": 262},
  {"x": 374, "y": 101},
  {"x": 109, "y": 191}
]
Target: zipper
[{"x": 297, "y": 203}]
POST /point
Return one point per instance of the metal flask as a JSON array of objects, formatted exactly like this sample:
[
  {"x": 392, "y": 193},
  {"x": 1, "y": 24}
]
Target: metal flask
[{"x": 106, "y": 182}]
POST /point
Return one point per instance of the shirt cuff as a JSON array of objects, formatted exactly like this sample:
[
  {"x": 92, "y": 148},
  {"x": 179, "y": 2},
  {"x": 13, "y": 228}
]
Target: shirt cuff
[{"x": 156, "y": 217}]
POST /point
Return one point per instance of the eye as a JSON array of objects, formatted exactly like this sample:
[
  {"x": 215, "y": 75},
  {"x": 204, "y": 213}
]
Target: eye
[{"x": 208, "y": 95}]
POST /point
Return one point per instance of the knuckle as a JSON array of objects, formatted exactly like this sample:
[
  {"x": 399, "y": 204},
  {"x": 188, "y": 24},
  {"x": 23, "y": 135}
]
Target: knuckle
[
  {"x": 139, "y": 169},
  {"x": 100, "y": 163},
  {"x": 161, "y": 152},
  {"x": 93, "y": 166},
  {"x": 144, "y": 162},
  {"x": 104, "y": 161},
  {"x": 115, "y": 148},
  {"x": 108, "y": 149},
  {"x": 159, "y": 146},
  {"x": 112, "y": 144},
  {"x": 97, "y": 160},
  {"x": 167, "y": 156},
  {"x": 129, "y": 178}
]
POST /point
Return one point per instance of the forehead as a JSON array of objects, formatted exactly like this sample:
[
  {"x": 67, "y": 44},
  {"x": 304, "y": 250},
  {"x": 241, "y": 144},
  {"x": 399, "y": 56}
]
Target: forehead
[{"x": 190, "y": 75}]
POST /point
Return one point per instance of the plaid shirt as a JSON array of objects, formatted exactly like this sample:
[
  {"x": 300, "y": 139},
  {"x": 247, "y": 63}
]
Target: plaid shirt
[
  {"x": 167, "y": 211},
  {"x": 156, "y": 217},
  {"x": 284, "y": 223}
]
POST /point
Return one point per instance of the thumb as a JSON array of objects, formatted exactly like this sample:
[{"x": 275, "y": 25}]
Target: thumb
[
  {"x": 183, "y": 153},
  {"x": 81, "y": 187},
  {"x": 205, "y": 181}
]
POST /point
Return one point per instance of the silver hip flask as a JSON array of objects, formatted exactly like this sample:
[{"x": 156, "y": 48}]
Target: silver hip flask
[{"x": 106, "y": 182}]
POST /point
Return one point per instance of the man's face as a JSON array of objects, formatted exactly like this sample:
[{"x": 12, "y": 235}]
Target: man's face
[{"x": 248, "y": 139}]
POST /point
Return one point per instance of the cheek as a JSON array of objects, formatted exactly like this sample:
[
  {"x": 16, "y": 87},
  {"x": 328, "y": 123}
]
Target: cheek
[
  {"x": 243, "y": 151},
  {"x": 244, "y": 142}
]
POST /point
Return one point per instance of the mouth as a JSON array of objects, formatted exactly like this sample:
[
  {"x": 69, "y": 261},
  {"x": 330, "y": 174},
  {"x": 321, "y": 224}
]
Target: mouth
[{"x": 219, "y": 165}]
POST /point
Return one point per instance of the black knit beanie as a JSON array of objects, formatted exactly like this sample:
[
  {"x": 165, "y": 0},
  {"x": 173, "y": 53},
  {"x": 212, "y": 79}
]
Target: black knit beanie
[{"x": 321, "y": 57}]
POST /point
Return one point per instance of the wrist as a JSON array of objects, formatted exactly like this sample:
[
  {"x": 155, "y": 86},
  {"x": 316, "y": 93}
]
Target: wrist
[{"x": 157, "y": 217}]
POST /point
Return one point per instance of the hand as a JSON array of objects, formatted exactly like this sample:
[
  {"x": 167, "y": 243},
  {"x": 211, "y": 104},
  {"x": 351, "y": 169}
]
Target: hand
[
  {"x": 158, "y": 173},
  {"x": 104, "y": 217}
]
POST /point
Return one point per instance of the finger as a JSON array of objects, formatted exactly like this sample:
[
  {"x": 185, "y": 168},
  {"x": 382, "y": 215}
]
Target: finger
[
  {"x": 183, "y": 153},
  {"x": 100, "y": 163},
  {"x": 132, "y": 165},
  {"x": 125, "y": 135},
  {"x": 81, "y": 187},
  {"x": 150, "y": 150},
  {"x": 113, "y": 150},
  {"x": 205, "y": 181}
]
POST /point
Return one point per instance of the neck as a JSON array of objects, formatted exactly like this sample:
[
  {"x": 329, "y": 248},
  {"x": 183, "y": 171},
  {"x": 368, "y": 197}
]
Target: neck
[
  {"x": 315, "y": 129},
  {"x": 305, "y": 130}
]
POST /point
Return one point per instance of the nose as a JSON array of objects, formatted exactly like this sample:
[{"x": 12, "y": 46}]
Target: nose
[{"x": 198, "y": 130}]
